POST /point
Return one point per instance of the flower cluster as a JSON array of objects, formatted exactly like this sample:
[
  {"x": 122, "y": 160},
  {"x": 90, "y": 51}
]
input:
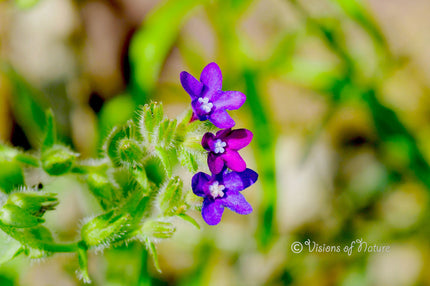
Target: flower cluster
[{"x": 229, "y": 173}]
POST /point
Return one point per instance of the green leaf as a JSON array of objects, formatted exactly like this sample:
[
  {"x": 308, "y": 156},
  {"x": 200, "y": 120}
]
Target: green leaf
[
  {"x": 28, "y": 105},
  {"x": 153, "y": 251},
  {"x": 50, "y": 132},
  {"x": 190, "y": 219}
]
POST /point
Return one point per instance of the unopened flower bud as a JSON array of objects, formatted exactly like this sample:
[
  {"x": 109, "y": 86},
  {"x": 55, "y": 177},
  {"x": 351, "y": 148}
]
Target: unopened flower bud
[
  {"x": 34, "y": 203},
  {"x": 157, "y": 229},
  {"x": 104, "y": 229},
  {"x": 15, "y": 216},
  {"x": 151, "y": 116},
  {"x": 57, "y": 160},
  {"x": 101, "y": 187},
  {"x": 130, "y": 152},
  {"x": 171, "y": 197}
]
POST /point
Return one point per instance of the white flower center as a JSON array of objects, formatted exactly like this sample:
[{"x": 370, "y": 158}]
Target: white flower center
[
  {"x": 216, "y": 190},
  {"x": 205, "y": 104},
  {"x": 219, "y": 146}
]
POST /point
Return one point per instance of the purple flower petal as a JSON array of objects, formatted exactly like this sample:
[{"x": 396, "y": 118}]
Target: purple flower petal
[
  {"x": 238, "y": 181},
  {"x": 222, "y": 134},
  {"x": 191, "y": 85},
  {"x": 239, "y": 138},
  {"x": 233, "y": 160},
  {"x": 215, "y": 163},
  {"x": 228, "y": 100},
  {"x": 212, "y": 211},
  {"x": 221, "y": 119},
  {"x": 197, "y": 183},
  {"x": 207, "y": 141},
  {"x": 237, "y": 203},
  {"x": 211, "y": 76}
]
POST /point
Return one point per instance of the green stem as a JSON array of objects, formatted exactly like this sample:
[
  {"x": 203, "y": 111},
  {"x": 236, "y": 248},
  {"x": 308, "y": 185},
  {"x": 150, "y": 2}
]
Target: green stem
[
  {"x": 265, "y": 139},
  {"x": 57, "y": 247},
  {"x": 82, "y": 169},
  {"x": 27, "y": 159}
]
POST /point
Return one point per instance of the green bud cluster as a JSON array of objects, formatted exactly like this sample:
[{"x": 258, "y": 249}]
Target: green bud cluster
[{"x": 133, "y": 182}]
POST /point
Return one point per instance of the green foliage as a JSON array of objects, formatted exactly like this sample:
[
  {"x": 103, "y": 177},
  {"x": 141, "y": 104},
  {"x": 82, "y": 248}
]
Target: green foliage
[
  {"x": 151, "y": 44},
  {"x": 171, "y": 198},
  {"x": 27, "y": 105},
  {"x": 26, "y": 4},
  {"x": 135, "y": 206},
  {"x": 11, "y": 175},
  {"x": 15, "y": 216},
  {"x": 8, "y": 248}
]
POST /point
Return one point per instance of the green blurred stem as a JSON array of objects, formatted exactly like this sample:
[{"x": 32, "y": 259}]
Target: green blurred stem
[
  {"x": 265, "y": 156},
  {"x": 387, "y": 124},
  {"x": 331, "y": 38},
  {"x": 27, "y": 159},
  {"x": 56, "y": 247},
  {"x": 80, "y": 168}
]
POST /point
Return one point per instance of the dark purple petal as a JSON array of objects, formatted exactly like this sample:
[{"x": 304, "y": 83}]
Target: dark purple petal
[
  {"x": 221, "y": 119},
  {"x": 238, "y": 181},
  {"x": 191, "y": 85},
  {"x": 207, "y": 141},
  {"x": 239, "y": 138},
  {"x": 233, "y": 160},
  {"x": 215, "y": 163},
  {"x": 222, "y": 134},
  {"x": 228, "y": 100},
  {"x": 212, "y": 211},
  {"x": 197, "y": 183},
  {"x": 237, "y": 203},
  {"x": 211, "y": 76}
]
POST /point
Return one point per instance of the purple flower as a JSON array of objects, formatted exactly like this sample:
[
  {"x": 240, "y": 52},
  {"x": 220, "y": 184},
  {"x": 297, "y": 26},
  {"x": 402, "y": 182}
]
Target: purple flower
[
  {"x": 208, "y": 101},
  {"x": 223, "y": 190},
  {"x": 223, "y": 149}
]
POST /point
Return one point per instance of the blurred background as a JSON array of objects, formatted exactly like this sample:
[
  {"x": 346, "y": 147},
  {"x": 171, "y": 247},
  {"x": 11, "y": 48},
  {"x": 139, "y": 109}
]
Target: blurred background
[{"x": 337, "y": 98}]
